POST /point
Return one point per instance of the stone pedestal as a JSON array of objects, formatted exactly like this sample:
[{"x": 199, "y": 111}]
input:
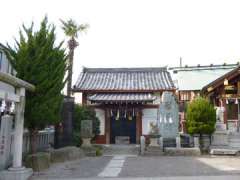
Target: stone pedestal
[
  {"x": 220, "y": 136},
  {"x": 86, "y": 142},
  {"x": 16, "y": 174},
  {"x": 153, "y": 141}
]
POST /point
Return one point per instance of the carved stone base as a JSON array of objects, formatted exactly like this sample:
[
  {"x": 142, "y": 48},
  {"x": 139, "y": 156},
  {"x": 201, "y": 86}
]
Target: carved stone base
[
  {"x": 154, "y": 142},
  {"x": 16, "y": 174},
  {"x": 220, "y": 138},
  {"x": 86, "y": 142}
]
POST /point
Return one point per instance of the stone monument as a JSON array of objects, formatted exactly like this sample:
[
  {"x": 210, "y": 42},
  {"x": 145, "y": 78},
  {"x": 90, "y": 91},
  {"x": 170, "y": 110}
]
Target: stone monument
[
  {"x": 86, "y": 132},
  {"x": 168, "y": 116},
  {"x": 5, "y": 141}
]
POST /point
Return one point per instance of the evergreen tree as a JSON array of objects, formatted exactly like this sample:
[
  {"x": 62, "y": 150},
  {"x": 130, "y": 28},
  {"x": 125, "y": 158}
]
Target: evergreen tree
[
  {"x": 201, "y": 117},
  {"x": 39, "y": 60}
]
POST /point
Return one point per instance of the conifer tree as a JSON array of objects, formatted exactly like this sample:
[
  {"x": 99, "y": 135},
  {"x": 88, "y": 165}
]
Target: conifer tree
[{"x": 39, "y": 60}]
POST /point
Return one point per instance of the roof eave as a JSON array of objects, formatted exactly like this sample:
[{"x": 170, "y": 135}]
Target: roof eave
[
  {"x": 75, "y": 90},
  {"x": 220, "y": 80}
]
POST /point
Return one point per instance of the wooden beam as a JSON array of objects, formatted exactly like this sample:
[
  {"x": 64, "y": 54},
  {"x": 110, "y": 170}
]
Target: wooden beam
[{"x": 16, "y": 82}]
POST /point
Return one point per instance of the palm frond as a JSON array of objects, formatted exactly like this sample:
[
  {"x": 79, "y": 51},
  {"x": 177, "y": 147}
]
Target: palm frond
[{"x": 71, "y": 28}]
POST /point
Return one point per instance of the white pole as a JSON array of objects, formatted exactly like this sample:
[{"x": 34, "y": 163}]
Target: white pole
[{"x": 18, "y": 134}]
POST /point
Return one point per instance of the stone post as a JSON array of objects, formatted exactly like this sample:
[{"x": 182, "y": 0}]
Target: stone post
[
  {"x": 161, "y": 143},
  {"x": 5, "y": 140},
  {"x": 142, "y": 145},
  {"x": 17, "y": 171},
  {"x": 196, "y": 142},
  {"x": 178, "y": 142},
  {"x": 18, "y": 133}
]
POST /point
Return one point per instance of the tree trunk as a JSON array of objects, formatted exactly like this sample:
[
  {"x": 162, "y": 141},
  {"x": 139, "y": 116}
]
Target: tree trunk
[
  {"x": 72, "y": 44},
  {"x": 33, "y": 141}
]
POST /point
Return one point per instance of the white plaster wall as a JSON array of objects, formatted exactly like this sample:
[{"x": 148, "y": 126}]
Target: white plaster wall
[
  {"x": 101, "y": 116},
  {"x": 7, "y": 68},
  {"x": 149, "y": 115}
]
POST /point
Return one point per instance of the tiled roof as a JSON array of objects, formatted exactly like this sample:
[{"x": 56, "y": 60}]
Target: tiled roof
[
  {"x": 117, "y": 97},
  {"x": 220, "y": 81},
  {"x": 195, "y": 78},
  {"x": 124, "y": 79}
]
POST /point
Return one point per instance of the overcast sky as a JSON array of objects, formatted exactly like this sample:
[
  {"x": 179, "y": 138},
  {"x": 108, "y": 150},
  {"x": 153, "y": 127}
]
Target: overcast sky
[{"x": 132, "y": 33}]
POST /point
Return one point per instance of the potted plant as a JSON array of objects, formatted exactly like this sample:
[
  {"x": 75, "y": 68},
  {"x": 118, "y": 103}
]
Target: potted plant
[{"x": 201, "y": 119}]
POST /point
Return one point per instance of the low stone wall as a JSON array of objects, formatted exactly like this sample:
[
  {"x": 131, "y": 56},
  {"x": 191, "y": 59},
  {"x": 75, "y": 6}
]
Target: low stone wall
[
  {"x": 43, "y": 160},
  {"x": 182, "y": 151},
  {"x": 66, "y": 154},
  {"x": 39, "y": 161}
]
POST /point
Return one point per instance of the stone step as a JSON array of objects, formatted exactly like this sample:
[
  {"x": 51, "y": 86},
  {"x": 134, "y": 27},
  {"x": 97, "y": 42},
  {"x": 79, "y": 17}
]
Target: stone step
[
  {"x": 182, "y": 151},
  {"x": 222, "y": 151},
  {"x": 153, "y": 151},
  {"x": 121, "y": 150}
]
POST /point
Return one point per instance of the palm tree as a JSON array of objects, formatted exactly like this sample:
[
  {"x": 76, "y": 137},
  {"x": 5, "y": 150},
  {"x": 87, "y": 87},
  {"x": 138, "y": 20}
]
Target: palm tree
[{"x": 71, "y": 29}]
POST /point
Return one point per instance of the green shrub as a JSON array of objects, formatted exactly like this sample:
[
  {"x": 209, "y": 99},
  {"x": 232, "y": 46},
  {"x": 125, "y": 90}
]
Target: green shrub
[
  {"x": 84, "y": 113},
  {"x": 98, "y": 152},
  {"x": 201, "y": 117}
]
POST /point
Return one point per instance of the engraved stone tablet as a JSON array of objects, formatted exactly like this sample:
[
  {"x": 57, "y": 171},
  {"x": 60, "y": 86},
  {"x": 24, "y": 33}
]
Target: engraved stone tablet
[{"x": 168, "y": 116}]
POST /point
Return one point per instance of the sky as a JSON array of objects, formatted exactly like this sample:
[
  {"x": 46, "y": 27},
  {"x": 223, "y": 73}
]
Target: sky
[{"x": 136, "y": 33}]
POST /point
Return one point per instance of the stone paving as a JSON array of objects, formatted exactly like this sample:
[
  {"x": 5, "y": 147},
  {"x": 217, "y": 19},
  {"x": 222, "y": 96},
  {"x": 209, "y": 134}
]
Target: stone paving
[{"x": 160, "y": 167}]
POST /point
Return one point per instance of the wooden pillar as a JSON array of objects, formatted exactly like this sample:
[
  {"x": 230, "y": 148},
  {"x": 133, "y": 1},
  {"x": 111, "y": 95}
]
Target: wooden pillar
[
  {"x": 225, "y": 111},
  {"x": 84, "y": 99},
  {"x": 107, "y": 126},
  {"x": 138, "y": 125}
]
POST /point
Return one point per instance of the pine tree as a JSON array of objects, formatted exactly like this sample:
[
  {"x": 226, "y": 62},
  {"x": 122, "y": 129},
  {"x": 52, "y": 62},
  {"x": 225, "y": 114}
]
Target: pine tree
[{"x": 39, "y": 60}]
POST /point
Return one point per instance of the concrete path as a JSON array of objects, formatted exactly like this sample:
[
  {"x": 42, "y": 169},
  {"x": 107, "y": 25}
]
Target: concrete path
[
  {"x": 137, "y": 167},
  {"x": 160, "y": 178},
  {"x": 115, "y": 166}
]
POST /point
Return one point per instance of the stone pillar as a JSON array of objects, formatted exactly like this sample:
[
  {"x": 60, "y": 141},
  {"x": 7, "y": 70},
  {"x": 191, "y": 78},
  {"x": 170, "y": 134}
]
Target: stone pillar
[
  {"x": 18, "y": 132},
  {"x": 5, "y": 140},
  {"x": 196, "y": 142},
  {"x": 17, "y": 171},
  {"x": 64, "y": 133},
  {"x": 178, "y": 142},
  {"x": 161, "y": 143},
  {"x": 142, "y": 145}
]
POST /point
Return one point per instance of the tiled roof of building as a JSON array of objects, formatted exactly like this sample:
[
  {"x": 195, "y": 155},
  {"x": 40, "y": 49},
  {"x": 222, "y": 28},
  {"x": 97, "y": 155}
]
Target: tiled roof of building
[
  {"x": 196, "y": 77},
  {"x": 220, "y": 80},
  {"x": 124, "y": 79},
  {"x": 118, "y": 97}
]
